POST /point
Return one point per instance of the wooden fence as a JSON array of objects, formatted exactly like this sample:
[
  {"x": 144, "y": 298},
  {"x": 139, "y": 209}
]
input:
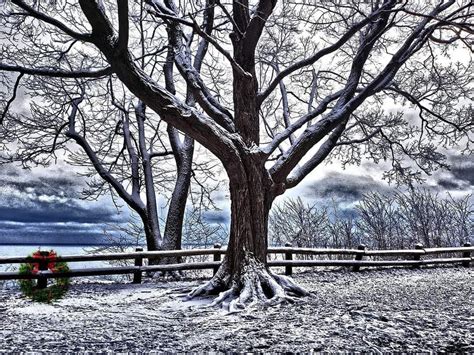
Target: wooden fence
[{"x": 413, "y": 258}]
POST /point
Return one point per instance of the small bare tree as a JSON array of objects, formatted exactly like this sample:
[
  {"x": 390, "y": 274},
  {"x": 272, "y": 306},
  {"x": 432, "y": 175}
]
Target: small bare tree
[
  {"x": 379, "y": 222},
  {"x": 300, "y": 224},
  {"x": 397, "y": 220},
  {"x": 343, "y": 229}
]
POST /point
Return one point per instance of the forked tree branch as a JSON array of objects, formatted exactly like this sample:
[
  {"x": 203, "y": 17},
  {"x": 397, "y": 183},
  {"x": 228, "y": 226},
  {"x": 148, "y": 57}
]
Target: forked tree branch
[
  {"x": 105, "y": 174},
  {"x": 192, "y": 76},
  {"x": 52, "y": 21},
  {"x": 348, "y": 103},
  {"x": 320, "y": 155},
  {"x": 122, "y": 42},
  {"x": 387, "y": 7},
  {"x": 168, "y": 106}
]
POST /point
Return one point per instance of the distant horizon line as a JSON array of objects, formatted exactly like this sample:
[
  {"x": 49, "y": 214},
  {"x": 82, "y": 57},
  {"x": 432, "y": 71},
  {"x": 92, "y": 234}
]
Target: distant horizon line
[
  {"x": 84, "y": 245},
  {"x": 59, "y": 244}
]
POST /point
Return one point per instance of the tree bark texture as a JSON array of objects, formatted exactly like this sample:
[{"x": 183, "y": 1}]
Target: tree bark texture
[{"x": 244, "y": 278}]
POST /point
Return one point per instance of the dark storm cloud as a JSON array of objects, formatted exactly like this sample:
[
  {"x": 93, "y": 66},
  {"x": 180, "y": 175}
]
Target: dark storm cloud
[
  {"x": 57, "y": 213},
  {"x": 450, "y": 184},
  {"x": 34, "y": 199},
  {"x": 44, "y": 207},
  {"x": 23, "y": 180},
  {"x": 462, "y": 168},
  {"x": 460, "y": 176},
  {"x": 218, "y": 217},
  {"x": 51, "y": 186},
  {"x": 345, "y": 187}
]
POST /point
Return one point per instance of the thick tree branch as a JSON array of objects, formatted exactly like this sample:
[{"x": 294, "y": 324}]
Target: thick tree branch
[
  {"x": 208, "y": 25},
  {"x": 419, "y": 36},
  {"x": 340, "y": 113},
  {"x": 122, "y": 42},
  {"x": 205, "y": 34},
  {"x": 132, "y": 153},
  {"x": 148, "y": 176},
  {"x": 57, "y": 73},
  {"x": 344, "y": 108},
  {"x": 257, "y": 23},
  {"x": 308, "y": 139},
  {"x": 182, "y": 59},
  {"x": 286, "y": 107},
  {"x": 216, "y": 45},
  {"x": 132, "y": 201},
  {"x": 285, "y": 134},
  {"x": 241, "y": 16},
  {"x": 322, "y": 153}
]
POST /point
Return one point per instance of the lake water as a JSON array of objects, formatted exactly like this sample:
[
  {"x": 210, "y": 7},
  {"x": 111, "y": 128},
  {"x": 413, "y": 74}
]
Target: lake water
[{"x": 25, "y": 250}]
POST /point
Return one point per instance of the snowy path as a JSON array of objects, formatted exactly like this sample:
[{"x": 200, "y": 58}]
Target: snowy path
[{"x": 398, "y": 310}]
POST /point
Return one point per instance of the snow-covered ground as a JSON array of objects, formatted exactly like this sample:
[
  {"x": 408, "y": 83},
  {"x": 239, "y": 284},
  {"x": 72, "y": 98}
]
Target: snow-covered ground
[{"x": 376, "y": 310}]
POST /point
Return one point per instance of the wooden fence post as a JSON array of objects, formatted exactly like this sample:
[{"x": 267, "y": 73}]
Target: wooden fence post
[
  {"x": 43, "y": 266},
  {"x": 466, "y": 254},
  {"x": 137, "y": 275},
  {"x": 417, "y": 257},
  {"x": 359, "y": 257},
  {"x": 217, "y": 257},
  {"x": 288, "y": 256}
]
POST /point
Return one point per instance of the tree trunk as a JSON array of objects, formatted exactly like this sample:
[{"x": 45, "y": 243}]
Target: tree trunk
[
  {"x": 175, "y": 217},
  {"x": 244, "y": 278},
  {"x": 149, "y": 215},
  {"x": 250, "y": 205},
  {"x": 152, "y": 232}
]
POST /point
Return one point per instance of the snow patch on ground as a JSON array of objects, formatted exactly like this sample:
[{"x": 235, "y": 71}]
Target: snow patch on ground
[
  {"x": 35, "y": 310},
  {"x": 375, "y": 310}
]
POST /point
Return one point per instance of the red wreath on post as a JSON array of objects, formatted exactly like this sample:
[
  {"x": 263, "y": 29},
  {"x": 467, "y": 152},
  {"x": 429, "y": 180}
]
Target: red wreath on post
[
  {"x": 44, "y": 256},
  {"x": 43, "y": 261}
]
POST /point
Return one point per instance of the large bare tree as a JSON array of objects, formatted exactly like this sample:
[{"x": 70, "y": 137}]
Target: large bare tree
[{"x": 321, "y": 77}]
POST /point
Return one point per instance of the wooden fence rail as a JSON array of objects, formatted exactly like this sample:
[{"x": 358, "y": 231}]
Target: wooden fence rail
[{"x": 288, "y": 262}]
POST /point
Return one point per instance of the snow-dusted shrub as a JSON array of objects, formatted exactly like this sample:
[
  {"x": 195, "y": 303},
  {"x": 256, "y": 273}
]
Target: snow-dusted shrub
[{"x": 380, "y": 221}]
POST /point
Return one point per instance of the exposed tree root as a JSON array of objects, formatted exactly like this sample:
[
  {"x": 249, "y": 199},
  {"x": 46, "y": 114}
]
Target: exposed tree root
[{"x": 255, "y": 285}]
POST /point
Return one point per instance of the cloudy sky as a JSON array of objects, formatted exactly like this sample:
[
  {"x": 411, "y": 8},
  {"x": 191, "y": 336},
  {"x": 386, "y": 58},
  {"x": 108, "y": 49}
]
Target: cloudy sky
[{"x": 44, "y": 205}]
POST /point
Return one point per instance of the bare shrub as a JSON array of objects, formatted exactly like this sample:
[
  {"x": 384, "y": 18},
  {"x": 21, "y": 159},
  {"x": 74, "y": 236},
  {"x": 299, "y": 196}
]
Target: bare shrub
[
  {"x": 380, "y": 221},
  {"x": 299, "y": 223},
  {"x": 435, "y": 221}
]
